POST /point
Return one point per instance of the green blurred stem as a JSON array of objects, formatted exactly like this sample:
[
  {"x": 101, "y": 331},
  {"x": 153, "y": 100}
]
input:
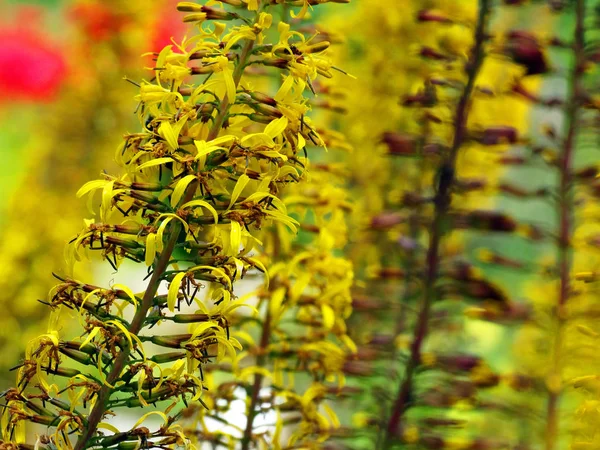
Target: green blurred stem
[
  {"x": 565, "y": 212},
  {"x": 442, "y": 202}
]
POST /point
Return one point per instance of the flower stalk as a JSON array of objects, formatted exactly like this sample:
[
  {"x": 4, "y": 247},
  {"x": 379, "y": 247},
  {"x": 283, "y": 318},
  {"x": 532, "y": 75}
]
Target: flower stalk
[
  {"x": 442, "y": 200},
  {"x": 566, "y": 208},
  {"x": 191, "y": 203}
]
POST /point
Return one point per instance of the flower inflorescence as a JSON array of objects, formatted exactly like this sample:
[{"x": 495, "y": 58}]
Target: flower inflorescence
[{"x": 199, "y": 182}]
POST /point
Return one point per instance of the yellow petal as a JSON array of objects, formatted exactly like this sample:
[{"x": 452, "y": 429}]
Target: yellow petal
[
  {"x": 174, "y": 290},
  {"x": 154, "y": 162},
  {"x": 150, "y": 249},
  {"x": 168, "y": 133},
  {"x": 203, "y": 204},
  {"x": 239, "y": 187},
  {"x": 180, "y": 188},
  {"x": 276, "y": 127},
  {"x": 107, "y": 196},
  {"x": 90, "y": 186},
  {"x": 235, "y": 239},
  {"x": 229, "y": 84},
  {"x": 328, "y": 316}
]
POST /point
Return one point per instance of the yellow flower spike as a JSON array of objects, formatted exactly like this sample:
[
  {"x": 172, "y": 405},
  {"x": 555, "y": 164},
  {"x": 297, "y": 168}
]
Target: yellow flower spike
[{"x": 182, "y": 133}]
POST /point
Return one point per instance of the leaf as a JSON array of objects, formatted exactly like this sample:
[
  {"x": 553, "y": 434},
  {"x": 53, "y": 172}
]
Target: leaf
[
  {"x": 174, "y": 290},
  {"x": 180, "y": 188},
  {"x": 237, "y": 190}
]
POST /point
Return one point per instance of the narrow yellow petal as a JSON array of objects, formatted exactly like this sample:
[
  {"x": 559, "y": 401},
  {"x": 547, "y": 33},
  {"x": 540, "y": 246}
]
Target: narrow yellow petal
[
  {"x": 180, "y": 188},
  {"x": 174, "y": 290},
  {"x": 237, "y": 190}
]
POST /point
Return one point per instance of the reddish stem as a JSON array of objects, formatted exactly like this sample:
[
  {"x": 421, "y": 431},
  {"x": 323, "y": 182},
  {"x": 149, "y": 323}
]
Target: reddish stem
[
  {"x": 565, "y": 206},
  {"x": 442, "y": 202}
]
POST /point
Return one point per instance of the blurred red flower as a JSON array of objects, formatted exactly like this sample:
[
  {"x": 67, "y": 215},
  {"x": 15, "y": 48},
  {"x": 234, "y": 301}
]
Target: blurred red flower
[
  {"x": 32, "y": 66},
  {"x": 168, "y": 24},
  {"x": 99, "y": 21}
]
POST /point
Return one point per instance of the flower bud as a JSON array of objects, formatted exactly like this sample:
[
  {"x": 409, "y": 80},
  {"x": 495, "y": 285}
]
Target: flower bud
[
  {"x": 399, "y": 144},
  {"x": 524, "y": 48},
  {"x": 430, "y": 15}
]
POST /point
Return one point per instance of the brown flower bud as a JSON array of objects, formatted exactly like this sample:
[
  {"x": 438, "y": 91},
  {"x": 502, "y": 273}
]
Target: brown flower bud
[
  {"x": 524, "y": 48},
  {"x": 430, "y": 15}
]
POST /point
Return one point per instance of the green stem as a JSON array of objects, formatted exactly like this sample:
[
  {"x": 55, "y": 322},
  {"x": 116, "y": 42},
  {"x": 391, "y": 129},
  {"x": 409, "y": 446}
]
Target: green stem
[
  {"x": 442, "y": 202},
  {"x": 258, "y": 379},
  {"x": 565, "y": 209}
]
